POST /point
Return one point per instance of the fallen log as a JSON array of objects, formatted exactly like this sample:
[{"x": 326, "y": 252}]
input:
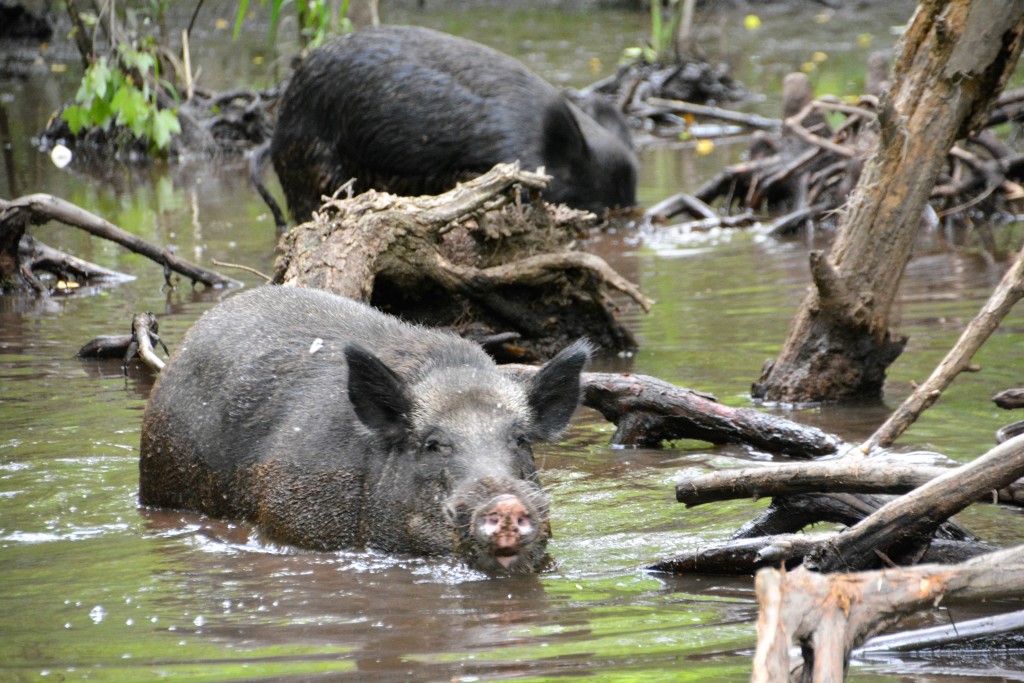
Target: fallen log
[
  {"x": 847, "y": 475},
  {"x": 829, "y": 615},
  {"x": 648, "y": 411},
  {"x": 16, "y": 215},
  {"x": 978, "y": 632},
  {"x": 745, "y": 556},
  {"x": 896, "y": 528}
]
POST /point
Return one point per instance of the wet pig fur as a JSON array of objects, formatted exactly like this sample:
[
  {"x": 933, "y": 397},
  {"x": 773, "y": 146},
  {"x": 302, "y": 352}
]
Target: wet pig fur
[
  {"x": 412, "y": 111},
  {"x": 332, "y": 425}
]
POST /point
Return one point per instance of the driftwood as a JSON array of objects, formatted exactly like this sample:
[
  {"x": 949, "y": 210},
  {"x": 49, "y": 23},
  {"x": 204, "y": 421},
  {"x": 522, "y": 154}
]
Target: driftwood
[
  {"x": 973, "y": 634},
  {"x": 829, "y": 615},
  {"x": 139, "y": 344},
  {"x": 647, "y": 411},
  {"x": 900, "y": 530},
  {"x": 801, "y": 171},
  {"x": 481, "y": 258},
  {"x": 19, "y": 258},
  {"x": 661, "y": 98},
  {"x": 876, "y": 475}
]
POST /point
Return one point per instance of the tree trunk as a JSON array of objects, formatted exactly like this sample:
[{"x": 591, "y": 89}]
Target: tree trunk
[{"x": 954, "y": 59}]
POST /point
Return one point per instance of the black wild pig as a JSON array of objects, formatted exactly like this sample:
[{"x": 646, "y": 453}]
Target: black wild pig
[
  {"x": 332, "y": 425},
  {"x": 412, "y": 111}
]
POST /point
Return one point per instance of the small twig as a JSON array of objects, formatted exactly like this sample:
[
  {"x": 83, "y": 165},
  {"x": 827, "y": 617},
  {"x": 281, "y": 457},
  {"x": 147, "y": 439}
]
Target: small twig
[{"x": 239, "y": 266}]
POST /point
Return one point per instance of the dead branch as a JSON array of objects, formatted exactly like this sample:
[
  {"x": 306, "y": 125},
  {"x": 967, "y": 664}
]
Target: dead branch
[
  {"x": 657, "y": 106},
  {"x": 1009, "y": 291},
  {"x": 140, "y": 343},
  {"x": 916, "y": 515},
  {"x": 983, "y": 629},
  {"x": 144, "y": 332},
  {"x": 39, "y": 208},
  {"x": 847, "y": 475}
]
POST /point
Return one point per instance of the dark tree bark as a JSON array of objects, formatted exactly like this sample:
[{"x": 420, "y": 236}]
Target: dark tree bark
[
  {"x": 954, "y": 59},
  {"x": 647, "y": 411}
]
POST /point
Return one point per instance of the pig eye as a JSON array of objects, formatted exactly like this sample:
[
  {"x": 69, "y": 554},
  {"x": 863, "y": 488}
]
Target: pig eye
[
  {"x": 432, "y": 444},
  {"x": 522, "y": 441}
]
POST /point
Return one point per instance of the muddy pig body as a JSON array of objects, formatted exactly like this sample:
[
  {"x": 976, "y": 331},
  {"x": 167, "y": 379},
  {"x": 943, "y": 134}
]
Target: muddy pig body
[
  {"x": 332, "y": 425},
  {"x": 412, "y": 111}
]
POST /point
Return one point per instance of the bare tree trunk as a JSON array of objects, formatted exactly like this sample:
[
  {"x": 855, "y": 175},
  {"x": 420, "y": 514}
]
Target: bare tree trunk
[{"x": 955, "y": 58}]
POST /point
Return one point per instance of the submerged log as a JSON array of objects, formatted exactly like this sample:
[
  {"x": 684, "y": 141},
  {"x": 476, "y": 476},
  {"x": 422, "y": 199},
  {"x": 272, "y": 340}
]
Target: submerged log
[{"x": 479, "y": 258}]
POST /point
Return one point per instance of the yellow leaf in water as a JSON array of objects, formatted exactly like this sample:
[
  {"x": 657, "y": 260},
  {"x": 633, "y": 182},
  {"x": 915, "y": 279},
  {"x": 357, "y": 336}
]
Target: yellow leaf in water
[
  {"x": 257, "y": 59},
  {"x": 595, "y": 66},
  {"x": 819, "y": 57},
  {"x": 864, "y": 39},
  {"x": 64, "y": 284},
  {"x": 751, "y": 22},
  {"x": 58, "y": 68},
  {"x": 705, "y": 147},
  {"x": 221, "y": 24}
]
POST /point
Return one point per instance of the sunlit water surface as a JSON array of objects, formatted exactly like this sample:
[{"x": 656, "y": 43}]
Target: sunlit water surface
[{"x": 94, "y": 588}]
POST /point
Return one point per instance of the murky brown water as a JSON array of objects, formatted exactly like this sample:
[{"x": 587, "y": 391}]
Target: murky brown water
[{"x": 93, "y": 588}]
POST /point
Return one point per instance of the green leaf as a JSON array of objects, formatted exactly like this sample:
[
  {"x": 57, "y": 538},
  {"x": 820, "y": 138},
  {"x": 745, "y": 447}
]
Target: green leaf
[
  {"x": 75, "y": 117},
  {"x": 131, "y": 108},
  {"x": 242, "y": 7},
  {"x": 165, "y": 124}
]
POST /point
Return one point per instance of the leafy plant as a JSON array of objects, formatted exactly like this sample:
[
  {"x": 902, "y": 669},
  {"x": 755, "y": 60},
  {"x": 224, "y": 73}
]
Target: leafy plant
[
  {"x": 662, "y": 41},
  {"x": 317, "y": 19},
  {"x": 119, "y": 92}
]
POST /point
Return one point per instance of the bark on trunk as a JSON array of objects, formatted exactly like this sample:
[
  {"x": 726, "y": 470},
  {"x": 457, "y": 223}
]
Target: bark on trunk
[{"x": 954, "y": 59}]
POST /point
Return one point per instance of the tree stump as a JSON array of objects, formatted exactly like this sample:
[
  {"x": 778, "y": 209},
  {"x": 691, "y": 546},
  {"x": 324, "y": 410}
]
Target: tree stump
[
  {"x": 482, "y": 258},
  {"x": 954, "y": 59}
]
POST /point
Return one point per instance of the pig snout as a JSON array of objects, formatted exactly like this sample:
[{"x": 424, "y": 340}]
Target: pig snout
[
  {"x": 501, "y": 531},
  {"x": 505, "y": 525}
]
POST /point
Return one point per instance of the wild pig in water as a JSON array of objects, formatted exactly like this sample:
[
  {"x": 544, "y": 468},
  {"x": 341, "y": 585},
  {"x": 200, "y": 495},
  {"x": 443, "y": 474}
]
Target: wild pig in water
[
  {"x": 332, "y": 425},
  {"x": 412, "y": 111}
]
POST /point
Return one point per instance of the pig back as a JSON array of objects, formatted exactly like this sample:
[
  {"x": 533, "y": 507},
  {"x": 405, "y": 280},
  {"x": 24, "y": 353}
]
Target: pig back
[{"x": 412, "y": 111}]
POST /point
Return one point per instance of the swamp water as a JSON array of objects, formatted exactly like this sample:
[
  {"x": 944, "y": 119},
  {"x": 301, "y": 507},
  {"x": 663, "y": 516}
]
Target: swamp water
[{"x": 94, "y": 588}]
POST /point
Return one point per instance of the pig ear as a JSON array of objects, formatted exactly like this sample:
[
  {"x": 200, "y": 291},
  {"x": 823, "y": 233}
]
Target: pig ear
[
  {"x": 564, "y": 141},
  {"x": 377, "y": 394},
  {"x": 554, "y": 392}
]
